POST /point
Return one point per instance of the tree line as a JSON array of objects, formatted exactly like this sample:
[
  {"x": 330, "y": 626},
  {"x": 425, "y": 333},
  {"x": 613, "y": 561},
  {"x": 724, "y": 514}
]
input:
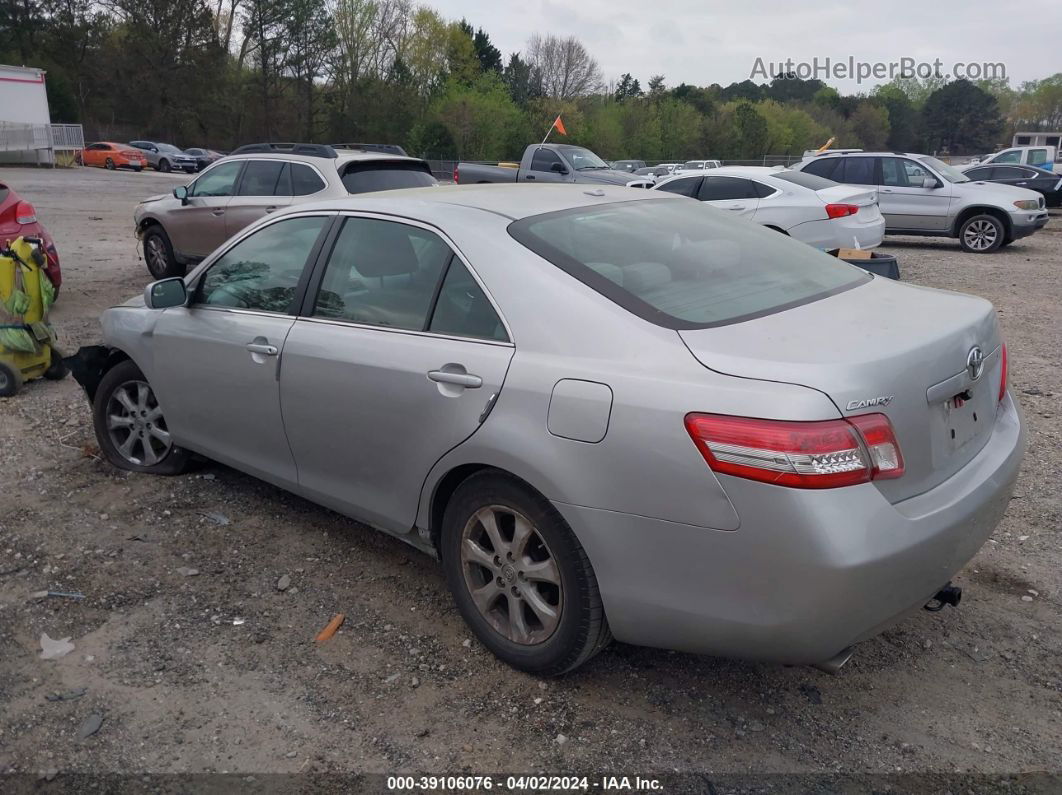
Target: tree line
[{"x": 219, "y": 73}]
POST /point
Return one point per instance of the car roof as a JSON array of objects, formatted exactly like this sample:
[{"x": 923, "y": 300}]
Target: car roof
[
  {"x": 342, "y": 156},
  {"x": 510, "y": 201}
]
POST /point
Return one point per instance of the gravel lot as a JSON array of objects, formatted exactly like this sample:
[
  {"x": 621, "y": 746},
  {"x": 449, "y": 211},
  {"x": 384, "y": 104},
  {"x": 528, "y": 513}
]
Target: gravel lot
[{"x": 217, "y": 670}]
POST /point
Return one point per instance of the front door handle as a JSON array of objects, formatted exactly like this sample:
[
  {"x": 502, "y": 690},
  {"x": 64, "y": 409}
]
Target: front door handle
[
  {"x": 736, "y": 207},
  {"x": 217, "y": 212},
  {"x": 263, "y": 348},
  {"x": 270, "y": 209},
  {"x": 466, "y": 380}
]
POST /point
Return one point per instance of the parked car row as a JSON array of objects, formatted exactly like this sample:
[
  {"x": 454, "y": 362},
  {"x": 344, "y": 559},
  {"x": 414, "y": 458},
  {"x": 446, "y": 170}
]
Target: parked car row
[{"x": 138, "y": 155}]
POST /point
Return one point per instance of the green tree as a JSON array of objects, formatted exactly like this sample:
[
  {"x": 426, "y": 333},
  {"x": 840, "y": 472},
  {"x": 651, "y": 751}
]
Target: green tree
[
  {"x": 626, "y": 88},
  {"x": 960, "y": 118},
  {"x": 751, "y": 130},
  {"x": 870, "y": 123}
]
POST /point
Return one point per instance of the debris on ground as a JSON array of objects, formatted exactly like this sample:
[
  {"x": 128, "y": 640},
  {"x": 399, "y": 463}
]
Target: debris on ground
[
  {"x": 90, "y": 726},
  {"x": 186, "y": 571},
  {"x": 284, "y": 583},
  {"x": 69, "y": 695},
  {"x": 331, "y": 628},
  {"x": 54, "y": 649},
  {"x": 218, "y": 519}
]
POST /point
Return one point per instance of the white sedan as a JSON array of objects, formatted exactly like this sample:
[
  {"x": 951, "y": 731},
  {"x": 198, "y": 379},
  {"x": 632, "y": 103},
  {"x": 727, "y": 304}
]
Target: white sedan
[{"x": 814, "y": 210}]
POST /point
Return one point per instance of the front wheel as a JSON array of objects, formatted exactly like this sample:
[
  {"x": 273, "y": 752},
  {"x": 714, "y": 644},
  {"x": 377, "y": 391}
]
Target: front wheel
[
  {"x": 158, "y": 254},
  {"x": 109, "y": 164},
  {"x": 10, "y": 380},
  {"x": 520, "y": 578},
  {"x": 130, "y": 426},
  {"x": 164, "y": 166},
  {"x": 981, "y": 234}
]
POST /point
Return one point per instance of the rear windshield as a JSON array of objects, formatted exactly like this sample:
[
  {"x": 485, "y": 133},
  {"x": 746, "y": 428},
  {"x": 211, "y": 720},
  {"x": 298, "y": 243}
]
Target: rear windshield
[
  {"x": 683, "y": 264},
  {"x": 812, "y": 181},
  {"x": 376, "y": 175}
]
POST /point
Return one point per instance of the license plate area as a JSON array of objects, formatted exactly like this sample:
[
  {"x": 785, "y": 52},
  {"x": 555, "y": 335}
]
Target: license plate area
[{"x": 963, "y": 421}]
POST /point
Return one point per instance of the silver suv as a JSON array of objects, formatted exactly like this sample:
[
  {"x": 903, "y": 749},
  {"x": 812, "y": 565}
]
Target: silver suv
[
  {"x": 179, "y": 230},
  {"x": 920, "y": 195},
  {"x": 166, "y": 157}
]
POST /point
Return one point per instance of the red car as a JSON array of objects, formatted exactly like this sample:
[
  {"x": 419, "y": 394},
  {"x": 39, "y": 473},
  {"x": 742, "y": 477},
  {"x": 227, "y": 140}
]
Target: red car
[{"x": 18, "y": 218}]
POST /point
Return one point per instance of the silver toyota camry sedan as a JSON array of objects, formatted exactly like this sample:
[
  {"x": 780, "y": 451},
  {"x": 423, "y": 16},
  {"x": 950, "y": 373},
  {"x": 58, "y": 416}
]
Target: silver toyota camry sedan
[{"x": 608, "y": 412}]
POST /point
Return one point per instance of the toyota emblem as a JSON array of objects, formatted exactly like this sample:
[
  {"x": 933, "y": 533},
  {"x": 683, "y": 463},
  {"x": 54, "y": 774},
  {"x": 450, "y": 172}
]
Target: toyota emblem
[{"x": 975, "y": 362}]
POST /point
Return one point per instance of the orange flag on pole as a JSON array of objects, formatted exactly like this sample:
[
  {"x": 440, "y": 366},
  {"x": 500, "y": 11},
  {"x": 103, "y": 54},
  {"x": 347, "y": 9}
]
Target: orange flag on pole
[{"x": 560, "y": 126}]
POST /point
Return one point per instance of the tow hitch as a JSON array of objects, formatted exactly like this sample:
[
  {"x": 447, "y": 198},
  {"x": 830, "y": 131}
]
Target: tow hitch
[{"x": 948, "y": 595}]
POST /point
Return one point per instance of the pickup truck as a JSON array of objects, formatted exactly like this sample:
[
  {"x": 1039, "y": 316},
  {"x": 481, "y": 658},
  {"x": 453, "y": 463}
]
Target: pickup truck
[
  {"x": 549, "y": 163},
  {"x": 1045, "y": 157}
]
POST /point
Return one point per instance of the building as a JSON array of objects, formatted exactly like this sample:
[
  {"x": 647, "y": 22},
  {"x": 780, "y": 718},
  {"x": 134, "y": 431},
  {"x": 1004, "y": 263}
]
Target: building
[
  {"x": 1038, "y": 139},
  {"x": 25, "y": 123}
]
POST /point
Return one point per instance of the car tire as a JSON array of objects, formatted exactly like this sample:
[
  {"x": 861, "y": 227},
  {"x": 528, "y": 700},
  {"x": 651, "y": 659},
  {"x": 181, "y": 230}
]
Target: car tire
[
  {"x": 10, "y": 380},
  {"x": 138, "y": 169},
  {"x": 57, "y": 369},
  {"x": 130, "y": 428},
  {"x": 559, "y": 621},
  {"x": 109, "y": 164},
  {"x": 164, "y": 166},
  {"x": 158, "y": 254},
  {"x": 981, "y": 234}
]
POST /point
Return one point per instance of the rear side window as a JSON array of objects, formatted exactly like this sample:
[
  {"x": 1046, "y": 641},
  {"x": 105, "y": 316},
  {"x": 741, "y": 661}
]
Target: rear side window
[
  {"x": 1008, "y": 172},
  {"x": 1037, "y": 157},
  {"x": 857, "y": 171},
  {"x": 260, "y": 177},
  {"x": 696, "y": 270},
  {"x": 724, "y": 188},
  {"x": 683, "y": 187},
  {"x": 979, "y": 173},
  {"x": 304, "y": 180},
  {"x": 373, "y": 175},
  {"x": 823, "y": 168},
  {"x": 382, "y": 273},
  {"x": 463, "y": 309}
]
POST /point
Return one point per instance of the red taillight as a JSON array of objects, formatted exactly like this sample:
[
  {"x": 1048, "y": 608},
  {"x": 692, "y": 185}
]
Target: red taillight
[
  {"x": 25, "y": 213},
  {"x": 841, "y": 210},
  {"x": 455, "y": 173},
  {"x": 806, "y": 455},
  {"x": 1003, "y": 374}
]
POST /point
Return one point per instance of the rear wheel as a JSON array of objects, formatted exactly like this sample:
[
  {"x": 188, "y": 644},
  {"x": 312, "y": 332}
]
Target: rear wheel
[
  {"x": 981, "y": 234},
  {"x": 138, "y": 169},
  {"x": 130, "y": 426},
  {"x": 158, "y": 254},
  {"x": 109, "y": 164},
  {"x": 520, "y": 578},
  {"x": 10, "y": 380}
]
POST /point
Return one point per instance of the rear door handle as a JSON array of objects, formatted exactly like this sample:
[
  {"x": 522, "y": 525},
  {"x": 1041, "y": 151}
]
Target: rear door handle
[
  {"x": 736, "y": 207},
  {"x": 270, "y": 209},
  {"x": 217, "y": 212},
  {"x": 263, "y": 348},
  {"x": 466, "y": 380}
]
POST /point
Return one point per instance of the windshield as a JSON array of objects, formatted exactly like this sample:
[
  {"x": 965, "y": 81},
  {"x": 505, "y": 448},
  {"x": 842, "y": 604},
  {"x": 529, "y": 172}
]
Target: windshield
[
  {"x": 168, "y": 148},
  {"x": 950, "y": 173},
  {"x": 581, "y": 158},
  {"x": 697, "y": 269},
  {"x": 693, "y": 164}
]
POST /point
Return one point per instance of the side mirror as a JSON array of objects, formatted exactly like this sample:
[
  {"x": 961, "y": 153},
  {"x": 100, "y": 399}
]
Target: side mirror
[
  {"x": 930, "y": 183},
  {"x": 559, "y": 168},
  {"x": 181, "y": 192},
  {"x": 166, "y": 293}
]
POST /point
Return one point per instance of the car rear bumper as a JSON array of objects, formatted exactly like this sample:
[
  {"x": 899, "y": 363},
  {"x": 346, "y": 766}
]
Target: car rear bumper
[
  {"x": 808, "y": 573},
  {"x": 827, "y": 234}
]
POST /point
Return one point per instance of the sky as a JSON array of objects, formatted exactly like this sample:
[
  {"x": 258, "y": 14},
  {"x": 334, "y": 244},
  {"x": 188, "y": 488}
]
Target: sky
[{"x": 706, "y": 41}]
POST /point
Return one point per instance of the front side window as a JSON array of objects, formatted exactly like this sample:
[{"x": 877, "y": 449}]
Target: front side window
[
  {"x": 382, "y": 273},
  {"x": 218, "y": 181},
  {"x": 1014, "y": 156},
  {"x": 696, "y": 270},
  {"x": 544, "y": 160},
  {"x": 262, "y": 271},
  {"x": 260, "y": 177}
]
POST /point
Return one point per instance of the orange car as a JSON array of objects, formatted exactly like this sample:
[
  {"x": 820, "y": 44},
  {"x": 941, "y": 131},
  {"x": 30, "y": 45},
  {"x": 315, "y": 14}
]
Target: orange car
[{"x": 111, "y": 156}]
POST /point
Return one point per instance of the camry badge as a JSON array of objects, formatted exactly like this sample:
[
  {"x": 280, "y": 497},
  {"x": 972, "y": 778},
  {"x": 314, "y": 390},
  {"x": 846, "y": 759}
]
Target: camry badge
[
  {"x": 975, "y": 362},
  {"x": 866, "y": 403}
]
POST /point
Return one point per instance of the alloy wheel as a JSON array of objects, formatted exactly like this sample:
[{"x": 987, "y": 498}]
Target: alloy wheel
[
  {"x": 981, "y": 235},
  {"x": 136, "y": 426},
  {"x": 109, "y": 164},
  {"x": 511, "y": 575},
  {"x": 157, "y": 260}
]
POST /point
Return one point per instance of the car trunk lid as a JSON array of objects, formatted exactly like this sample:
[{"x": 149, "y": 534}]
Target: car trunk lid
[{"x": 895, "y": 349}]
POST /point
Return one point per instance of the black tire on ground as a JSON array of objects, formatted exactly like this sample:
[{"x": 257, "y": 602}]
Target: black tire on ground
[
  {"x": 164, "y": 166},
  {"x": 582, "y": 628},
  {"x": 57, "y": 370},
  {"x": 158, "y": 254},
  {"x": 108, "y": 164},
  {"x": 174, "y": 462},
  {"x": 981, "y": 234},
  {"x": 1006, "y": 242},
  {"x": 138, "y": 169},
  {"x": 10, "y": 380}
]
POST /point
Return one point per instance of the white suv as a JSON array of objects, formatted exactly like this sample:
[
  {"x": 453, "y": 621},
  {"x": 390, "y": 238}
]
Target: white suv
[{"x": 920, "y": 195}]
